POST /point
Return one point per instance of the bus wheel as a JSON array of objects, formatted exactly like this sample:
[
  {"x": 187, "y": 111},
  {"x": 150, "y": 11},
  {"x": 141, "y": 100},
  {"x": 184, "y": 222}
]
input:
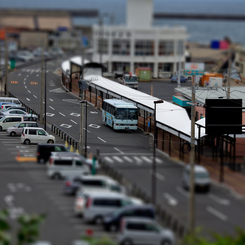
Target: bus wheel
[
  {"x": 113, "y": 126},
  {"x": 105, "y": 123}
]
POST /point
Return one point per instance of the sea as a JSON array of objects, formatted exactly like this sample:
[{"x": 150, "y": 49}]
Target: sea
[{"x": 114, "y": 12}]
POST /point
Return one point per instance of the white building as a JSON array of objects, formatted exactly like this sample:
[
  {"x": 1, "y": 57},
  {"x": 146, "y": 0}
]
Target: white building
[{"x": 139, "y": 44}]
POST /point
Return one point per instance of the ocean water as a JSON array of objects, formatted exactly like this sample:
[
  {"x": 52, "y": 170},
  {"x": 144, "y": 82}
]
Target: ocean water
[{"x": 202, "y": 31}]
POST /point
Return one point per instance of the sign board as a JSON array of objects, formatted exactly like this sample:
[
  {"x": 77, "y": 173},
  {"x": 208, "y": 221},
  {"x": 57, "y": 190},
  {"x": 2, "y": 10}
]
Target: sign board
[
  {"x": 193, "y": 72},
  {"x": 223, "y": 116},
  {"x": 194, "y": 66},
  {"x": 215, "y": 82}
]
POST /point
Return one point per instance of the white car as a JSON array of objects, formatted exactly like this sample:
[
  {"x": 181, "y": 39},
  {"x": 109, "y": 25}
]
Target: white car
[
  {"x": 25, "y": 55},
  {"x": 15, "y": 112},
  {"x": 31, "y": 135}
]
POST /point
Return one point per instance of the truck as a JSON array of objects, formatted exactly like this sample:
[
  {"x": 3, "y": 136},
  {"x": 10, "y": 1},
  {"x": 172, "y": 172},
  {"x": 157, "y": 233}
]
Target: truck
[
  {"x": 143, "y": 74},
  {"x": 130, "y": 80}
]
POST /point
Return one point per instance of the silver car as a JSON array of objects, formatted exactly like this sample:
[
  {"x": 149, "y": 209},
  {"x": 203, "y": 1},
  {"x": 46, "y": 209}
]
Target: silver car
[
  {"x": 15, "y": 112},
  {"x": 143, "y": 231},
  {"x": 17, "y": 129}
]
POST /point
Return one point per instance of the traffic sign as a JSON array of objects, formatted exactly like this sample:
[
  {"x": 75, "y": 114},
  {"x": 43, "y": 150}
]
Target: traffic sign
[{"x": 194, "y": 72}]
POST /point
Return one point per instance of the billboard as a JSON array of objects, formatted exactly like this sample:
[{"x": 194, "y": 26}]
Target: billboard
[{"x": 223, "y": 116}]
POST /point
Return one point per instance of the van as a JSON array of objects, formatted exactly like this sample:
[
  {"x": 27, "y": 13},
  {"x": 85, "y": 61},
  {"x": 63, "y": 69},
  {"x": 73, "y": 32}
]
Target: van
[
  {"x": 44, "y": 151},
  {"x": 31, "y": 135},
  {"x": 9, "y": 121},
  {"x": 10, "y": 100},
  {"x": 101, "y": 203},
  {"x": 65, "y": 164}
]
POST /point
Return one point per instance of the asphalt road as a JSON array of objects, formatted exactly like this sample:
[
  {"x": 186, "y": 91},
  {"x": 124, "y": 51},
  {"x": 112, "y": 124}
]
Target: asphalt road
[{"x": 129, "y": 151}]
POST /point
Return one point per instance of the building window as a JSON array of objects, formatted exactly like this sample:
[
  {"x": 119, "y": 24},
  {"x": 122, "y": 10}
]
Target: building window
[
  {"x": 103, "y": 46},
  {"x": 166, "y": 48},
  {"x": 241, "y": 68},
  {"x": 180, "y": 47},
  {"x": 144, "y": 48},
  {"x": 121, "y": 47}
]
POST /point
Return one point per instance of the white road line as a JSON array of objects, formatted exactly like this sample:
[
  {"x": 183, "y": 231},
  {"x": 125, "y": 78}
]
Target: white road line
[
  {"x": 158, "y": 176},
  {"x": 37, "y": 75},
  {"x": 29, "y": 91},
  {"x": 101, "y": 139},
  {"x": 171, "y": 200},
  {"x": 127, "y": 159},
  {"x": 138, "y": 160},
  {"x": 27, "y": 75},
  {"x": 34, "y": 96},
  {"x": 219, "y": 200},
  {"x": 24, "y": 79},
  {"x": 118, "y": 159},
  {"x": 61, "y": 114},
  {"x": 182, "y": 191},
  {"x": 108, "y": 159},
  {"x": 25, "y": 87},
  {"x": 216, "y": 213},
  {"x": 51, "y": 107},
  {"x": 19, "y": 74},
  {"x": 73, "y": 121},
  {"x": 51, "y": 99},
  {"x": 118, "y": 150},
  {"x": 24, "y": 82},
  {"x": 158, "y": 160},
  {"x": 87, "y": 130},
  {"x": 28, "y": 99},
  {"x": 146, "y": 159}
]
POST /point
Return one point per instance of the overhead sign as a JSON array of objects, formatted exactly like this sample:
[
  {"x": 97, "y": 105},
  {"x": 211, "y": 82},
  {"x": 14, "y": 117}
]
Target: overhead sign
[
  {"x": 193, "y": 72},
  {"x": 194, "y": 66}
]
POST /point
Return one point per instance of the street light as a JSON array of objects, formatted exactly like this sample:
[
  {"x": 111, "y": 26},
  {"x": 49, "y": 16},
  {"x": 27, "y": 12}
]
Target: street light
[{"x": 153, "y": 186}]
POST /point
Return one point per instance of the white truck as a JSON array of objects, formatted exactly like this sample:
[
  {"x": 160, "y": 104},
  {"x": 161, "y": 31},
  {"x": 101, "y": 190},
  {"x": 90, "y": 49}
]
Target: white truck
[{"x": 130, "y": 80}]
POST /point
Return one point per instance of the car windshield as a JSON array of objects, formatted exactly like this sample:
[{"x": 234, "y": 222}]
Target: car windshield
[
  {"x": 130, "y": 79},
  {"x": 2, "y": 119},
  {"x": 16, "y": 125},
  {"x": 126, "y": 113}
]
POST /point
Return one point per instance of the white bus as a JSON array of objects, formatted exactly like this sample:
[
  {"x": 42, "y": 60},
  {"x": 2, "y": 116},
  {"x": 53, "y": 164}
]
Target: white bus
[{"x": 119, "y": 114}]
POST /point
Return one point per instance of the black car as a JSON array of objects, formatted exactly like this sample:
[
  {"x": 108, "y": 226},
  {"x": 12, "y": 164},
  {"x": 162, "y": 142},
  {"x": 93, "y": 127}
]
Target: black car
[
  {"x": 112, "y": 221},
  {"x": 44, "y": 151}
]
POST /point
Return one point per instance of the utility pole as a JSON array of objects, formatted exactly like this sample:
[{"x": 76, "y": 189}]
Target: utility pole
[
  {"x": 192, "y": 164},
  {"x": 6, "y": 66},
  {"x": 81, "y": 125},
  {"x": 42, "y": 81},
  {"x": 229, "y": 75}
]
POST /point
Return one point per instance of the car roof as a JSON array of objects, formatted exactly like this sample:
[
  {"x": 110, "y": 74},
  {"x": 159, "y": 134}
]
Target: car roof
[
  {"x": 138, "y": 219},
  {"x": 106, "y": 194},
  {"x": 33, "y": 128},
  {"x": 197, "y": 168},
  {"x": 97, "y": 177}
]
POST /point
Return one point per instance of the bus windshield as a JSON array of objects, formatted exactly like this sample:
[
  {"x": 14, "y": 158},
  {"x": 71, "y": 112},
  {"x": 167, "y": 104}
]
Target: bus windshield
[{"x": 126, "y": 113}]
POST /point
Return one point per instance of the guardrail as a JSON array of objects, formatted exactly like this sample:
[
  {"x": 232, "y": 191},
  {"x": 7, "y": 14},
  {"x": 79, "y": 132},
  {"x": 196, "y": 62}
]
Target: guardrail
[
  {"x": 165, "y": 216},
  {"x": 61, "y": 133}
]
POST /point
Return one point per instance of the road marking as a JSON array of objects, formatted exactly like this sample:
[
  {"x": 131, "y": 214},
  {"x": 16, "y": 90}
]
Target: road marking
[
  {"x": 51, "y": 107},
  {"x": 216, "y": 213},
  {"x": 118, "y": 150},
  {"x": 158, "y": 160},
  {"x": 93, "y": 112},
  {"x": 171, "y": 200},
  {"x": 51, "y": 99},
  {"x": 9, "y": 200},
  {"x": 75, "y": 114},
  {"x": 138, "y": 160},
  {"x": 37, "y": 75},
  {"x": 66, "y": 125},
  {"x": 86, "y": 130},
  {"x": 158, "y": 176},
  {"x": 94, "y": 126},
  {"x": 34, "y": 96},
  {"x": 73, "y": 121},
  {"x": 101, "y": 139},
  {"x": 118, "y": 159},
  {"x": 50, "y": 114},
  {"x": 61, "y": 114},
  {"x": 27, "y": 75},
  {"x": 182, "y": 191},
  {"x": 29, "y": 91},
  {"x": 108, "y": 159},
  {"x": 28, "y": 99},
  {"x": 219, "y": 200},
  {"x": 127, "y": 159},
  {"x": 25, "y": 87},
  {"x": 19, "y": 74},
  {"x": 147, "y": 159}
]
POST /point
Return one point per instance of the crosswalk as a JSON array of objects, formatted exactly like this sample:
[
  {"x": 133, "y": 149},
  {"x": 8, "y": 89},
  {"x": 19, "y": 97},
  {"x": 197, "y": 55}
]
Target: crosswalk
[{"x": 129, "y": 159}]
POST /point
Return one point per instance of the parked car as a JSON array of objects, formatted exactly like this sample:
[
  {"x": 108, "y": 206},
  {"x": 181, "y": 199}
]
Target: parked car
[
  {"x": 16, "y": 130},
  {"x": 99, "y": 204},
  {"x": 27, "y": 116},
  {"x": 25, "y": 55},
  {"x": 202, "y": 179},
  {"x": 112, "y": 221},
  {"x": 5, "y": 105},
  {"x": 32, "y": 135},
  {"x": 175, "y": 79},
  {"x": 64, "y": 164},
  {"x": 44, "y": 151},
  {"x": 18, "y": 107},
  {"x": 140, "y": 231},
  {"x": 9, "y": 121}
]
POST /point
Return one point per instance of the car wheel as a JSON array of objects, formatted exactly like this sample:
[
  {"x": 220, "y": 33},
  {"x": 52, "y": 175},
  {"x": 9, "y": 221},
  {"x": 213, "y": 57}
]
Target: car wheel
[
  {"x": 189, "y": 78},
  {"x": 12, "y": 134},
  {"x": 56, "y": 176},
  {"x": 50, "y": 141},
  {"x": 27, "y": 142},
  {"x": 113, "y": 228},
  {"x": 1, "y": 128},
  {"x": 127, "y": 242},
  {"x": 98, "y": 220},
  {"x": 166, "y": 242}
]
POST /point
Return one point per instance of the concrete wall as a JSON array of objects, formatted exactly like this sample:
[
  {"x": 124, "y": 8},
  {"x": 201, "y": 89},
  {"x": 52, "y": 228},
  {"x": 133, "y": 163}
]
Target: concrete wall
[{"x": 34, "y": 39}]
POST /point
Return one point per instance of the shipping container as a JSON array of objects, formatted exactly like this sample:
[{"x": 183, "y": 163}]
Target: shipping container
[{"x": 143, "y": 74}]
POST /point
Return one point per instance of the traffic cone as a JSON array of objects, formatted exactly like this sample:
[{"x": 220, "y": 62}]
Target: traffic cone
[
  {"x": 77, "y": 151},
  {"x": 66, "y": 144},
  {"x": 71, "y": 148}
]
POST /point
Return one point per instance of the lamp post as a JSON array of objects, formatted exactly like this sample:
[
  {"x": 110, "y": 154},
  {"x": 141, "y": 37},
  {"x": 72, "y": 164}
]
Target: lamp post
[{"x": 153, "y": 185}]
